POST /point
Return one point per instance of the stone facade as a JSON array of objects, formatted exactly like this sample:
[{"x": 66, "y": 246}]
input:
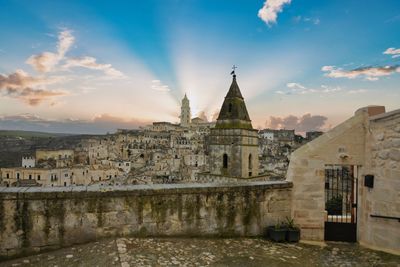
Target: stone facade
[
  {"x": 185, "y": 112},
  {"x": 383, "y": 161},
  {"x": 233, "y": 143},
  {"x": 240, "y": 149},
  {"x": 368, "y": 141},
  {"x": 36, "y": 219}
]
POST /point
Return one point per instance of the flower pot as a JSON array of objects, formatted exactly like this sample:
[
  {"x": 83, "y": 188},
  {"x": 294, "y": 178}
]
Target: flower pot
[
  {"x": 277, "y": 234},
  {"x": 293, "y": 235}
]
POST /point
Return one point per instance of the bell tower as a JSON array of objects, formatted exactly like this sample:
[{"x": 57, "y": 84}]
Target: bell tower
[
  {"x": 185, "y": 112},
  {"x": 233, "y": 141}
]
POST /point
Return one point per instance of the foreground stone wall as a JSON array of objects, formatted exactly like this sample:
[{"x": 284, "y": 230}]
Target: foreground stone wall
[
  {"x": 35, "y": 219},
  {"x": 383, "y": 161},
  {"x": 369, "y": 140}
]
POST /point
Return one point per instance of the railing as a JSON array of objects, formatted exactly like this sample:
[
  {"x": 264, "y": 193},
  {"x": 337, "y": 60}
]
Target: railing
[{"x": 385, "y": 217}]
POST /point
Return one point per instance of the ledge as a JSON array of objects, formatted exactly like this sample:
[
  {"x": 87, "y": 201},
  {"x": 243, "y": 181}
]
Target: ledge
[{"x": 10, "y": 193}]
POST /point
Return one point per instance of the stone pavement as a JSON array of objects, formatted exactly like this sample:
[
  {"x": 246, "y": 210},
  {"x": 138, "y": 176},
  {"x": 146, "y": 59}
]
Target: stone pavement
[{"x": 137, "y": 252}]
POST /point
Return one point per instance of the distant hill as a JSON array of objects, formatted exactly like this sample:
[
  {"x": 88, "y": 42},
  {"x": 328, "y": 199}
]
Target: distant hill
[
  {"x": 29, "y": 134},
  {"x": 16, "y": 144}
]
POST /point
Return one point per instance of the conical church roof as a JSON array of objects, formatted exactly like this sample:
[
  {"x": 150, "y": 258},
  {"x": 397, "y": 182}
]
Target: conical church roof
[{"x": 233, "y": 114}]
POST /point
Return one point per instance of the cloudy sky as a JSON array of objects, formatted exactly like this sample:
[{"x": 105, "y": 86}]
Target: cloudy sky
[{"x": 95, "y": 66}]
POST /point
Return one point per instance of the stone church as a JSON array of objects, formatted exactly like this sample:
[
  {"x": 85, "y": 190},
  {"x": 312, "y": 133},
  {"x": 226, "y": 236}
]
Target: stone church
[{"x": 233, "y": 143}]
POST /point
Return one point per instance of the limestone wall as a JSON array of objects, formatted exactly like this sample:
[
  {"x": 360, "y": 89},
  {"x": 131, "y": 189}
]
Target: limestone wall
[
  {"x": 369, "y": 140},
  {"x": 383, "y": 161},
  {"x": 344, "y": 144},
  {"x": 35, "y": 219}
]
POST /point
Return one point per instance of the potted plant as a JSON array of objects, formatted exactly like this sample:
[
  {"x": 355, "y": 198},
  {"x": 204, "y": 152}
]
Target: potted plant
[
  {"x": 334, "y": 205},
  {"x": 277, "y": 232},
  {"x": 292, "y": 231}
]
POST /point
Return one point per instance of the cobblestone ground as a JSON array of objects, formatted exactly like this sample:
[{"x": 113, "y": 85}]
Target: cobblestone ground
[{"x": 134, "y": 252}]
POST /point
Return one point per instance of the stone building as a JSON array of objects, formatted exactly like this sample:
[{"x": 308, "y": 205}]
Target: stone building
[
  {"x": 185, "y": 112},
  {"x": 233, "y": 143},
  {"x": 28, "y": 162},
  {"x": 367, "y": 146}
]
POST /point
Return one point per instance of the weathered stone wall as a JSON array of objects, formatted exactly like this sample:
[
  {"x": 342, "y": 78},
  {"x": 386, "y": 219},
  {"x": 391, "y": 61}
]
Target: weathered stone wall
[
  {"x": 35, "y": 219},
  {"x": 238, "y": 144},
  {"x": 383, "y": 161},
  {"x": 369, "y": 140},
  {"x": 344, "y": 144}
]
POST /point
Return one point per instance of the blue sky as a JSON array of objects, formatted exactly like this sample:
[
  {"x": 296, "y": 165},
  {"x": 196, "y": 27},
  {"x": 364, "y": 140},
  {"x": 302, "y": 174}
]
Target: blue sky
[{"x": 94, "y": 66}]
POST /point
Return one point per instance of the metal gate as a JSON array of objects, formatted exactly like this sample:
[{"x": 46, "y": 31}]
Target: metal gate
[{"x": 341, "y": 203}]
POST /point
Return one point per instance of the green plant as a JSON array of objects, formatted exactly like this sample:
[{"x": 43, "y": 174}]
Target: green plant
[
  {"x": 279, "y": 225},
  {"x": 290, "y": 224},
  {"x": 334, "y": 205}
]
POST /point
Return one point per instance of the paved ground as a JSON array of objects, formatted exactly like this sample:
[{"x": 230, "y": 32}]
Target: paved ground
[{"x": 206, "y": 252}]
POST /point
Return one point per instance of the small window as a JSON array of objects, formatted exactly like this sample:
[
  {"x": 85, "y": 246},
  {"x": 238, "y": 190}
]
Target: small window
[
  {"x": 225, "y": 161},
  {"x": 8, "y": 175},
  {"x": 17, "y": 175},
  {"x": 30, "y": 176},
  {"x": 65, "y": 183},
  {"x": 250, "y": 162},
  {"x": 230, "y": 107},
  {"x": 38, "y": 177}
]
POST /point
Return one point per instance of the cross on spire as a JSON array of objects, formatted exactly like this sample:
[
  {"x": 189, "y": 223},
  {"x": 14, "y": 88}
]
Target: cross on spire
[{"x": 233, "y": 70}]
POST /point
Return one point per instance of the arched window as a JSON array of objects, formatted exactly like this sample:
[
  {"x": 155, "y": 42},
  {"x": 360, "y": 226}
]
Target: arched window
[
  {"x": 225, "y": 161},
  {"x": 250, "y": 162}
]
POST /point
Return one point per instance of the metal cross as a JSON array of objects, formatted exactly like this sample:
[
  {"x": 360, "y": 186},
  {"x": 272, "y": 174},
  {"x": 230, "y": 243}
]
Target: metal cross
[{"x": 234, "y": 68}]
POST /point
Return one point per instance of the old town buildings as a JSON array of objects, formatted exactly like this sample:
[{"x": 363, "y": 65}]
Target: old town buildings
[{"x": 164, "y": 152}]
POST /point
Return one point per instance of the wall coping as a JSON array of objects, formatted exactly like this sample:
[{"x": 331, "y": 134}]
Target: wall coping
[
  {"x": 120, "y": 190},
  {"x": 385, "y": 115}
]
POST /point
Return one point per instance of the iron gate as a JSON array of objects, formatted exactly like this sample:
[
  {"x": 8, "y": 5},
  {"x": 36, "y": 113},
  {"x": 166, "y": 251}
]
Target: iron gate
[{"x": 341, "y": 203}]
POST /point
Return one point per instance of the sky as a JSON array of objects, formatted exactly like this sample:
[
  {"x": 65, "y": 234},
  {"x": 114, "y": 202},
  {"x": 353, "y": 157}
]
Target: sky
[{"x": 95, "y": 66}]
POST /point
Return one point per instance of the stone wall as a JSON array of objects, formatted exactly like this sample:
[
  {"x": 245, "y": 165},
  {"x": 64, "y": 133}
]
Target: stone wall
[
  {"x": 383, "y": 161},
  {"x": 241, "y": 148},
  {"x": 344, "y": 144},
  {"x": 36, "y": 219},
  {"x": 370, "y": 140}
]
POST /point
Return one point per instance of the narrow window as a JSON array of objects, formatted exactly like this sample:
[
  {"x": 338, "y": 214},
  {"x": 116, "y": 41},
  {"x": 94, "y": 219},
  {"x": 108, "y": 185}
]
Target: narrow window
[
  {"x": 230, "y": 107},
  {"x": 225, "y": 161},
  {"x": 250, "y": 162},
  {"x": 8, "y": 175},
  {"x": 17, "y": 175},
  {"x": 30, "y": 176},
  {"x": 38, "y": 177}
]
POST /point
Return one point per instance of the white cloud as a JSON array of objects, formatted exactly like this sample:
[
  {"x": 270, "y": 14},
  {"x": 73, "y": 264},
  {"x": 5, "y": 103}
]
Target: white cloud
[
  {"x": 299, "y": 89},
  {"x": 295, "y": 86},
  {"x": 269, "y": 12},
  {"x": 369, "y": 73},
  {"x": 158, "y": 86},
  {"x": 91, "y": 63},
  {"x": 357, "y": 91},
  {"x": 392, "y": 51},
  {"x": 46, "y": 61}
]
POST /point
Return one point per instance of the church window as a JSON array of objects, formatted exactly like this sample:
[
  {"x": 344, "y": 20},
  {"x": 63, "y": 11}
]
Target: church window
[
  {"x": 225, "y": 161},
  {"x": 250, "y": 162},
  {"x": 230, "y": 107}
]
